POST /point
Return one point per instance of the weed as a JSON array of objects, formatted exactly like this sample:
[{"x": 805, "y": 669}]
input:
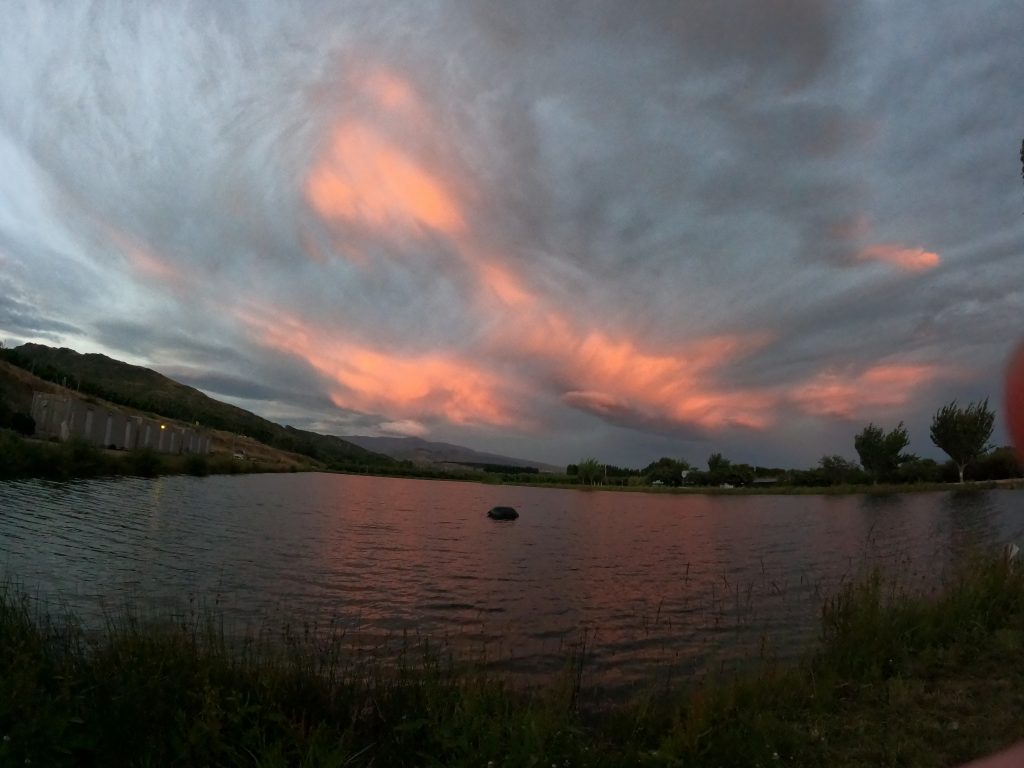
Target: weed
[{"x": 897, "y": 679}]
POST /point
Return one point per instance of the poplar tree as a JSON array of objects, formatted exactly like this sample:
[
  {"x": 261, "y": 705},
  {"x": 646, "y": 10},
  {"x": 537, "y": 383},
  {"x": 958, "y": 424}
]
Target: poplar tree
[
  {"x": 963, "y": 433},
  {"x": 881, "y": 452},
  {"x": 590, "y": 471}
]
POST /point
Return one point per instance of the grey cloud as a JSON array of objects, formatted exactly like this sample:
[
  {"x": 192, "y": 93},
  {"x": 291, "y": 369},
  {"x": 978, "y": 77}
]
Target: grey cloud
[
  {"x": 22, "y": 320},
  {"x": 143, "y": 339},
  {"x": 656, "y": 171},
  {"x": 792, "y": 38},
  {"x": 239, "y": 371},
  {"x": 230, "y": 386},
  {"x": 621, "y": 414}
]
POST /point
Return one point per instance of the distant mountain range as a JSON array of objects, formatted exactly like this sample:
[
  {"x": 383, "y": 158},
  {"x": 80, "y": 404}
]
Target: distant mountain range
[
  {"x": 146, "y": 390},
  {"x": 425, "y": 452}
]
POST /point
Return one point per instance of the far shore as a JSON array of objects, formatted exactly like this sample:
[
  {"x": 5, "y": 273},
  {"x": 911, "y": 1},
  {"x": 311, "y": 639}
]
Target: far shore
[
  {"x": 22, "y": 458},
  {"x": 792, "y": 490}
]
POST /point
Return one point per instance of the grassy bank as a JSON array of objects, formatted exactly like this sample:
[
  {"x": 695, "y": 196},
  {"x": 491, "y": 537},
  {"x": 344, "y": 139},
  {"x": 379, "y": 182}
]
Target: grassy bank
[
  {"x": 896, "y": 680},
  {"x": 21, "y": 457},
  {"x": 881, "y": 489}
]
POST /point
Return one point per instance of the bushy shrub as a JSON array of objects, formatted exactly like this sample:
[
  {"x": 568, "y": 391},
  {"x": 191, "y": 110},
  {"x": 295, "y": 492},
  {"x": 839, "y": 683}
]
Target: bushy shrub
[
  {"x": 997, "y": 464},
  {"x": 196, "y": 464},
  {"x": 80, "y": 458},
  {"x": 23, "y": 424},
  {"x": 144, "y": 462},
  {"x": 918, "y": 471}
]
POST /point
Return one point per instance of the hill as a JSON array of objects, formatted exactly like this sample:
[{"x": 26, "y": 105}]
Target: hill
[
  {"x": 146, "y": 390},
  {"x": 428, "y": 453}
]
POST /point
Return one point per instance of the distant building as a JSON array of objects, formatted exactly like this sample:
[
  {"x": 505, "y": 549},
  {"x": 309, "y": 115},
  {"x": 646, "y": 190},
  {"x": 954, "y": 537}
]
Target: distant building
[{"x": 64, "y": 416}]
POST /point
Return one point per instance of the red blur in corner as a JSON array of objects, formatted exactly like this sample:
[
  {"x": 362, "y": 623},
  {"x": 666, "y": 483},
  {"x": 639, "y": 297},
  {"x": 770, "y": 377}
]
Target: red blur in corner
[{"x": 1015, "y": 398}]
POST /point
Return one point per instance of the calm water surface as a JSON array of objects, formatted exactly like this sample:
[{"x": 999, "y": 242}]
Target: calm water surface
[{"x": 658, "y": 584}]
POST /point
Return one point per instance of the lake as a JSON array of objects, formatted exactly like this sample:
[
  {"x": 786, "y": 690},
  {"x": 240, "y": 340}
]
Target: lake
[{"x": 656, "y": 584}]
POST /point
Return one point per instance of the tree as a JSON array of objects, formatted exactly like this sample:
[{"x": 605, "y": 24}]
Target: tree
[
  {"x": 721, "y": 471},
  {"x": 963, "y": 433},
  {"x": 590, "y": 471},
  {"x": 919, "y": 471},
  {"x": 998, "y": 464},
  {"x": 666, "y": 470},
  {"x": 836, "y": 470},
  {"x": 881, "y": 452},
  {"x": 718, "y": 463}
]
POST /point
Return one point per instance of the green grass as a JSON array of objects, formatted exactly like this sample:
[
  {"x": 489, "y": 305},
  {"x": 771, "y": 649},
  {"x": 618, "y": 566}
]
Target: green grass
[{"x": 898, "y": 679}]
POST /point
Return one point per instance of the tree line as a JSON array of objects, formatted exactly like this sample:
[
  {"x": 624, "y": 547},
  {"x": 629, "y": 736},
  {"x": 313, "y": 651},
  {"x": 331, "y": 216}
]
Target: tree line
[{"x": 962, "y": 432}]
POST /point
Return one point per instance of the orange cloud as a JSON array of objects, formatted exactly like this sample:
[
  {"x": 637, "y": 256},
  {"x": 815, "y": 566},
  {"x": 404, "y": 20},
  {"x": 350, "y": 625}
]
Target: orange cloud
[
  {"x": 391, "y": 92},
  {"x": 611, "y": 375},
  {"x": 405, "y": 427},
  {"x": 143, "y": 259},
  {"x": 407, "y": 387},
  {"x": 846, "y": 395},
  {"x": 498, "y": 282},
  {"x": 907, "y": 259},
  {"x": 368, "y": 178},
  {"x": 615, "y": 379},
  {"x": 364, "y": 178}
]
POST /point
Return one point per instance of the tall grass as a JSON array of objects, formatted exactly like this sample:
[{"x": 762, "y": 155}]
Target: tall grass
[{"x": 897, "y": 679}]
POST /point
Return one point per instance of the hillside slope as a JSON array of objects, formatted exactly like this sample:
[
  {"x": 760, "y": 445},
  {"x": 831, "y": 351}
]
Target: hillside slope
[
  {"x": 146, "y": 390},
  {"x": 430, "y": 453}
]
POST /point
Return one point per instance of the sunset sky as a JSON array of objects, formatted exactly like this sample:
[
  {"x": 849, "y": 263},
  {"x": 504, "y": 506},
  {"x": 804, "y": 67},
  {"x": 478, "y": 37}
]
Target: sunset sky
[{"x": 547, "y": 229}]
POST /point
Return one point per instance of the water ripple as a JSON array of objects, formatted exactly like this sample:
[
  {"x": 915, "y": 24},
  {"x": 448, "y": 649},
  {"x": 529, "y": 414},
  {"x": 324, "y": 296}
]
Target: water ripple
[{"x": 654, "y": 584}]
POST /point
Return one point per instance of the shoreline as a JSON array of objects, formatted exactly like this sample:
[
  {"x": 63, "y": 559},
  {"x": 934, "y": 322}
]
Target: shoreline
[{"x": 25, "y": 458}]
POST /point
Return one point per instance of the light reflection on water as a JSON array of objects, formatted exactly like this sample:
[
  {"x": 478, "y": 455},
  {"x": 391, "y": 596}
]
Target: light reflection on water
[{"x": 660, "y": 584}]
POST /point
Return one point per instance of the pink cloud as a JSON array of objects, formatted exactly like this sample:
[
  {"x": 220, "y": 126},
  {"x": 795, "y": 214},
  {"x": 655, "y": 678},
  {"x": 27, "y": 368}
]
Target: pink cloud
[
  {"x": 847, "y": 394},
  {"x": 143, "y": 259},
  {"x": 367, "y": 179},
  {"x": 392, "y": 93},
  {"x": 404, "y": 428},
  {"x": 907, "y": 259},
  {"x": 404, "y": 387},
  {"x": 616, "y": 379}
]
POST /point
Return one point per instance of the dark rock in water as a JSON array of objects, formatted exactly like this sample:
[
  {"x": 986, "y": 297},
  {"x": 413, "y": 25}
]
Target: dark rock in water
[{"x": 502, "y": 513}]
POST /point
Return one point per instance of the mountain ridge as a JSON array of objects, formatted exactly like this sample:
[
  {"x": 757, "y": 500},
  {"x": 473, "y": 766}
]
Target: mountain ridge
[
  {"x": 147, "y": 390},
  {"x": 421, "y": 451}
]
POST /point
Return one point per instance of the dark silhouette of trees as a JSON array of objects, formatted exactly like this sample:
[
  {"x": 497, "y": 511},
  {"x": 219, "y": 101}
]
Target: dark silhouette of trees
[
  {"x": 722, "y": 471},
  {"x": 666, "y": 471},
  {"x": 998, "y": 464},
  {"x": 718, "y": 463},
  {"x": 590, "y": 471},
  {"x": 881, "y": 452},
  {"x": 963, "y": 433},
  {"x": 837, "y": 470}
]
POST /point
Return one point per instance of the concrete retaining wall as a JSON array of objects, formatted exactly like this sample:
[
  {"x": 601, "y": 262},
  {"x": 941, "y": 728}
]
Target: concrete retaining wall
[{"x": 61, "y": 416}]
